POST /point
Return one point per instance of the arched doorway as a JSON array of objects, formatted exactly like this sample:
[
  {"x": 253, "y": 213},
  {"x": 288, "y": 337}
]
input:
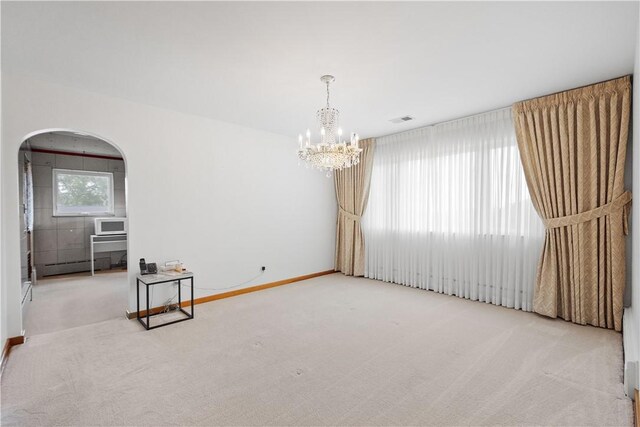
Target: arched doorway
[{"x": 73, "y": 223}]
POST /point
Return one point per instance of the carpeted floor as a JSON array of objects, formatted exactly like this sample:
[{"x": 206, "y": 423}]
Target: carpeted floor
[
  {"x": 333, "y": 350},
  {"x": 63, "y": 302}
]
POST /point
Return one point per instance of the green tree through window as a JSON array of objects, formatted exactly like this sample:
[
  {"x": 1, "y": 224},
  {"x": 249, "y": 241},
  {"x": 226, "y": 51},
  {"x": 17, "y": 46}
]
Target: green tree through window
[{"x": 83, "y": 192}]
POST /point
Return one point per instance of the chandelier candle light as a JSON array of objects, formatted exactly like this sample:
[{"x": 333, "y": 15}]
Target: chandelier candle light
[{"x": 331, "y": 153}]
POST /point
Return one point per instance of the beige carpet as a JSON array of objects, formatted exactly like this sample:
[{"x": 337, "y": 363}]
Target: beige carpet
[
  {"x": 328, "y": 351},
  {"x": 63, "y": 302}
]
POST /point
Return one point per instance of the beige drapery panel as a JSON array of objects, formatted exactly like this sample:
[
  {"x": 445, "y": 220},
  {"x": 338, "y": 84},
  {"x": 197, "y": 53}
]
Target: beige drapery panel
[
  {"x": 352, "y": 192},
  {"x": 573, "y": 148}
]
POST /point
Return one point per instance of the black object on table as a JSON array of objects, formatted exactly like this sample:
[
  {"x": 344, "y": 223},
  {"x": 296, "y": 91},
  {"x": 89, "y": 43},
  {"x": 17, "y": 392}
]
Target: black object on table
[{"x": 156, "y": 279}]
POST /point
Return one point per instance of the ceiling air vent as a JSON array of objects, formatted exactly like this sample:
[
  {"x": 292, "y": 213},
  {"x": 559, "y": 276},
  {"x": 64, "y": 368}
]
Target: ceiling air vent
[{"x": 401, "y": 119}]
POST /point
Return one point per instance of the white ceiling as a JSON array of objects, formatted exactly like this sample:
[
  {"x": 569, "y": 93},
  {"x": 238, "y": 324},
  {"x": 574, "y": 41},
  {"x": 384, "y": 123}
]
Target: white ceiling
[{"x": 258, "y": 64}]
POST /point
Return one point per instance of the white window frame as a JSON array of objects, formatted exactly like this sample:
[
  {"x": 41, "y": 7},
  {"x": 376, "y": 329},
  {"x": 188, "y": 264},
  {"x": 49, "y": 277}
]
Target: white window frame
[{"x": 109, "y": 212}]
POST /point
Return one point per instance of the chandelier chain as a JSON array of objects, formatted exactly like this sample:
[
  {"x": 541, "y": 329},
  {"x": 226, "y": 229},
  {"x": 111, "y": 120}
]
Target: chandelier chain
[{"x": 328, "y": 94}]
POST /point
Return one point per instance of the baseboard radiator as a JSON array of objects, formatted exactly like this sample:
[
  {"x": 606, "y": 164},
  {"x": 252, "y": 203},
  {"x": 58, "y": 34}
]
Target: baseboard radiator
[{"x": 72, "y": 267}]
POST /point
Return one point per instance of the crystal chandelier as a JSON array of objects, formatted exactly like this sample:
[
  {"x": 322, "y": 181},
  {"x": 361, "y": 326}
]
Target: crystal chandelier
[{"x": 331, "y": 153}]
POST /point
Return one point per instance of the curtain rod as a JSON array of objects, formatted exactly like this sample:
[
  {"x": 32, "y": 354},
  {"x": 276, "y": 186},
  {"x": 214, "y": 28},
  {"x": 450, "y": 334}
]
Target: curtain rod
[
  {"x": 577, "y": 87},
  {"x": 501, "y": 108}
]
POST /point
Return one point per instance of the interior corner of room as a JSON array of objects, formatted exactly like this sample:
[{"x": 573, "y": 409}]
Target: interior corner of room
[{"x": 369, "y": 213}]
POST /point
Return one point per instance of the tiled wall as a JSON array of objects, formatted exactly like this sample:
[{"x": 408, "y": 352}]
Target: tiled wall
[{"x": 60, "y": 240}]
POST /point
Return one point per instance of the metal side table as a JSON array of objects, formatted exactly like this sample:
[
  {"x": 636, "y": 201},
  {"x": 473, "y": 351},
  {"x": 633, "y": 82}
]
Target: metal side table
[{"x": 149, "y": 280}]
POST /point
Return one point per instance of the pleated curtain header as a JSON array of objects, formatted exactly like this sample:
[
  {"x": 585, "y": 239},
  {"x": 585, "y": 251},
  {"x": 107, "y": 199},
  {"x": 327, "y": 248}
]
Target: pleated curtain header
[
  {"x": 481, "y": 119},
  {"x": 610, "y": 87}
]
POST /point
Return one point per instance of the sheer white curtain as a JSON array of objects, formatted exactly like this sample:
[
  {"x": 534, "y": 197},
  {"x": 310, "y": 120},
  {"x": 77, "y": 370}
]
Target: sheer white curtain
[{"x": 449, "y": 211}]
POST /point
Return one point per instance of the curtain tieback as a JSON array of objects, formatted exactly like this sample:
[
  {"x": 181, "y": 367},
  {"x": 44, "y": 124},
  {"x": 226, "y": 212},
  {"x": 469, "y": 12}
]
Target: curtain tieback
[
  {"x": 350, "y": 215},
  {"x": 620, "y": 202}
]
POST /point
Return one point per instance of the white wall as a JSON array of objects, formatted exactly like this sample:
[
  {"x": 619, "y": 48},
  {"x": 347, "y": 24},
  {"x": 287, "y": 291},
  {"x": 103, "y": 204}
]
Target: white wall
[
  {"x": 3, "y": 296},
  {"x": 631, "y": 328},
  {"x": 223, "y": 198}
]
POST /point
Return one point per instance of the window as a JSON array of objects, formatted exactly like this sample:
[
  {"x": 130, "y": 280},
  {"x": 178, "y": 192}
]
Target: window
[
  {"x": 82, "y": 193},
  {"x": 449, "y": 210},
  {"x": 461, "y": 178}
]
